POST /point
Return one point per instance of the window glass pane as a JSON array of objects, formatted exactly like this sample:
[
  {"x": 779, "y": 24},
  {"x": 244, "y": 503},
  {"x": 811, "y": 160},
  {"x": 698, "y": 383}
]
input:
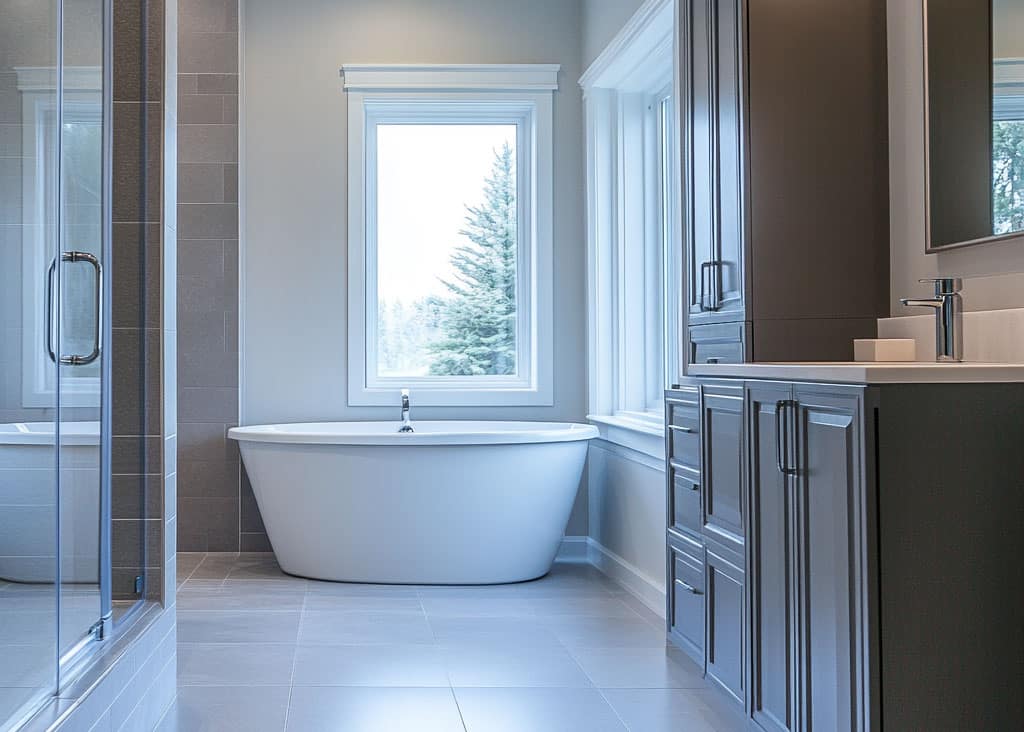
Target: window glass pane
[
  {"x": 1008, "y": 176},
  {"x": 447, "y": 248}
]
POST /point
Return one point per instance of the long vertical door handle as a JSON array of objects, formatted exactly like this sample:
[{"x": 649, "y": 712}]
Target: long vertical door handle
[
  {"x": 50, "y": 272},
  {"x": 51, "y": 312},
  {"x": 782, "y": 436}
]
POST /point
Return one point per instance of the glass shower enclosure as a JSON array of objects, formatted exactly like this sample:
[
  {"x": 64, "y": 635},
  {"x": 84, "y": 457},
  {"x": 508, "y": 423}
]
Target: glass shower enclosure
[{"x": 55, "y": 404}]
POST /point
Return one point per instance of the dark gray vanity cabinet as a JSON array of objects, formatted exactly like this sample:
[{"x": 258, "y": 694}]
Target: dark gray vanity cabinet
[
  {"x": 875, "y": 580},
  {"x": 808, "y": 498},
  {"x": 785, "y": 158}
]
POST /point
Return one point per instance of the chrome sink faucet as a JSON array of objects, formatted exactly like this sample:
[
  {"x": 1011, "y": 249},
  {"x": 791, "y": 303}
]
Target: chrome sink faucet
[
  {"x": 949, "y": 317},
  {"x": 406, "y": 422}
]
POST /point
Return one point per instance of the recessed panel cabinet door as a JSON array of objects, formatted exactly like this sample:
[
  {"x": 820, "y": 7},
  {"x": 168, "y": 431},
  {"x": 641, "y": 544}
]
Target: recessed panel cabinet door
[
  {"x": 722, "y": 463},
  {"x": 772, "y": 570},
  {"x": 829, "y": 489},
  {"x": 727, "y": 621},
  {"x": 698, "y": 43},
  {"x": 729, "y": 277}
]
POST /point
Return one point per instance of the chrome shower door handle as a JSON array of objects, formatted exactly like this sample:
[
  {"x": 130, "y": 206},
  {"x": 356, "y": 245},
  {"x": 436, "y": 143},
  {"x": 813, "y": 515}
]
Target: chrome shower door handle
[{"x": 52, "y": 312}]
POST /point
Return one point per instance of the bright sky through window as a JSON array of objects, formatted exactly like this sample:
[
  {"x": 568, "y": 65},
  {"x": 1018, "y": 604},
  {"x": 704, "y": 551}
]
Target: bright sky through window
[{"x": 428, "y": 176}]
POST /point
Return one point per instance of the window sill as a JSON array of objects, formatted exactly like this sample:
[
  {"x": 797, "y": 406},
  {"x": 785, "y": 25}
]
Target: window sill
[{"x": 645, "y": 435}]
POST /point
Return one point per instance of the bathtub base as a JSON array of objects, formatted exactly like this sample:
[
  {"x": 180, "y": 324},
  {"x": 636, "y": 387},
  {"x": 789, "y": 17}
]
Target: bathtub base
[{"x": 446, "y": 515}]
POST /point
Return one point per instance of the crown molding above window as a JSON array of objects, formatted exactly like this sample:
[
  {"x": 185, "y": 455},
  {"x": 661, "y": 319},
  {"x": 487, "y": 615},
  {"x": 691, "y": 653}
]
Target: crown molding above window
[
  {"x": 643, "y": 43},
  {"x": 450, "y": 77}
]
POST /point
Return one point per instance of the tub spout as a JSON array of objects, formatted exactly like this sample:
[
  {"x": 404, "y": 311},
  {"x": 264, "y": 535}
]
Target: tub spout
[{"x": 406, "y": 422}]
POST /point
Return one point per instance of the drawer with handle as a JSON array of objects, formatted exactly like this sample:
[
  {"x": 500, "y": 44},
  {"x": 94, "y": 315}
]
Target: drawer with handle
[
  {"x": 686, "y": 515},
  {"x": 684, "y": 434},
  {"x": 717, "y": 343},
  {"x": 688, "y": 604}
]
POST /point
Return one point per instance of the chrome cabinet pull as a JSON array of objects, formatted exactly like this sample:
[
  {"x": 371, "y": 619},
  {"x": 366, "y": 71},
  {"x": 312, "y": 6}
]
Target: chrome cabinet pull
[
  {"x": 688, "y": 588},
  {"x": 681, "y": 428},
  {"x": 77, "y": 359}
]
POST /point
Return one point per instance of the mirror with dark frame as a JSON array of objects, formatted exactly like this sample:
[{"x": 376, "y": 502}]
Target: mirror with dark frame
[{"x": 974, "y": 69}]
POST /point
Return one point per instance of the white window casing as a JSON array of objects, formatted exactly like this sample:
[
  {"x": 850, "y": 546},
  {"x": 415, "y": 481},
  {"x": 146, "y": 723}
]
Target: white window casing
[
  {"x": 515, "y": 94},
  {"x": 634, "y": 247}
]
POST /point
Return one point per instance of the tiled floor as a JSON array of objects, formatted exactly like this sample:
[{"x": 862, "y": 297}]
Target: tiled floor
[{"x": 259, "y": 650}]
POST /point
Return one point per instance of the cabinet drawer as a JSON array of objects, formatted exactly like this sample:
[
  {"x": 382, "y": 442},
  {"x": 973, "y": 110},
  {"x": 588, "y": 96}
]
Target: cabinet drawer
[
  {"x": 718, "y": 343},
  {"x": 686, "y": 515},
  {"x": 684, "y": 434},
  {"x": 688, "y": 604}
]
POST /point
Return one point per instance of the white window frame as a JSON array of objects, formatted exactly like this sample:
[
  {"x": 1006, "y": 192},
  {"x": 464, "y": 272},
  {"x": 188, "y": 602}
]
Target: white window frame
[
  {"x": 38, "y": 87},
  {"x": 520, "y": 94},
  {"x": 630, "y": 257}
]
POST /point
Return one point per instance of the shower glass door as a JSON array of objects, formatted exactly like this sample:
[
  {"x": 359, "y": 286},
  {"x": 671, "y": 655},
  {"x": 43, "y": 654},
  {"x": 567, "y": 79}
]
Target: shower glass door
[
  {"x": 53, "y": 201},
  {"x": 76, "y": 322},
  {"x": 29, "y": 98}
]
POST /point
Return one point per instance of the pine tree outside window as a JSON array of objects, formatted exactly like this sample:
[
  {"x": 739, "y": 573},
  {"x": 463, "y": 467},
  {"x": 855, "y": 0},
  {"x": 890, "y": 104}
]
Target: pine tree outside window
[{"x": 450, "y": 234}]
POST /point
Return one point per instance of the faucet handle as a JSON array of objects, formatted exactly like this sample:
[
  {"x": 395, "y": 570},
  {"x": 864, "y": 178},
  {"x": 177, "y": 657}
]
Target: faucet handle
[{"x": 944, "y": 285}]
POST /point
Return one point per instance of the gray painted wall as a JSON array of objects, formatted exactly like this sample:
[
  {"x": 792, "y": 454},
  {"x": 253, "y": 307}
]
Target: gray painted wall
[
  {"x": 602, "y": 19},
  {"x": 294, "y": 193},
  {"x": 1000, "y": 266}
]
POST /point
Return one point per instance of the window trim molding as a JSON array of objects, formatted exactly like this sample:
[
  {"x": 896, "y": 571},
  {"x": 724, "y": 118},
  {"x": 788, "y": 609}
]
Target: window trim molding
[
  {"x": 519, "y": 91},
  {"x": 637, "y": 64}
]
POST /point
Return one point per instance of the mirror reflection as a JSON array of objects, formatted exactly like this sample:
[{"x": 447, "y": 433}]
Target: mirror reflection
[{"x": 975, "y": 118}]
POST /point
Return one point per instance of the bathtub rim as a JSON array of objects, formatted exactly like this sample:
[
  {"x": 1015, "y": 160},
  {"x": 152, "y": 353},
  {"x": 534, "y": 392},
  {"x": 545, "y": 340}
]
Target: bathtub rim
[{"x": 385, "y": 433}]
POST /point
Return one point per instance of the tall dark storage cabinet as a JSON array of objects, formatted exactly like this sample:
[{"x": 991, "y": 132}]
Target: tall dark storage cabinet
[
  {"x": 784, "y": 108},
  {"x": 785, "y": 112}
]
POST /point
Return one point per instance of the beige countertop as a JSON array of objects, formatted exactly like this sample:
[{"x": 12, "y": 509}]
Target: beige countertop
[{"x": 842, "y": 372}]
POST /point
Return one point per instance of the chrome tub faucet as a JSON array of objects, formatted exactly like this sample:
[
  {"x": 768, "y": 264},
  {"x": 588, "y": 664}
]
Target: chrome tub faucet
[
  {"x": 406, "y": 422},
  {"x": 949, "y": 317}
]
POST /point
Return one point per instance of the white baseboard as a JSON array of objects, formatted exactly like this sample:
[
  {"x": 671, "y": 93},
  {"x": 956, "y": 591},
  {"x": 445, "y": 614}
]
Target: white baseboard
[
  {"x": 644, "y": 588},
  {"x": 573, "y": 549}
]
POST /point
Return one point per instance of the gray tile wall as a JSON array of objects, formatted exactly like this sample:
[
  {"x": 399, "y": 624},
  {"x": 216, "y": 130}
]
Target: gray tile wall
[
  {"x": 215, "y": 504},
  {"x": 136, "y": 266}
]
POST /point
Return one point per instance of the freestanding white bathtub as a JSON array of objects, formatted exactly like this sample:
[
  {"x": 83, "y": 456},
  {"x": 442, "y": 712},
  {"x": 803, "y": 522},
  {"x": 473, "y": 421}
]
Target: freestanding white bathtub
[{"x": 451, "y": 503}]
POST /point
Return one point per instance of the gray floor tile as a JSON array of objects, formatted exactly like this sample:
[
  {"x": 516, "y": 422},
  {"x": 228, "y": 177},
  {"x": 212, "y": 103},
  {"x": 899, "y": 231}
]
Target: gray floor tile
[
  {"x": 341, "y": 709},
  {"x": 381, "y": 666},
  {"x": 364, "y": 628},
  {"x": 536, "y": 710},
  {"x": 485, "y": 632},
  {"x": 639, "y": 668},
  {"x": 514, "y": 667},
  {"x": 236, "y": 598},
  {"x": 582, "y": 607},
  {"x": 476, "y": 606},
  {"x": 577, "y": 632},
  {"x": 238, "y": 627},
  {"x": 322, "y": 602},
  {"x": 215, "y": 566},
  {"x": 231, "y": 664},
  {"x": 672, "y": 710},
  {"x": 227, "y": 709}
]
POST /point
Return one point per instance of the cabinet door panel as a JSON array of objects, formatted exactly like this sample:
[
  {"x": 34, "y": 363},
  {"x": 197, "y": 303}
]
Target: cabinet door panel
[
  {"x": 698, "y": 43},
  {"x": 722, "y": 465},
  {"x": 728, "y": 141},
  {"x": 772, "y": 570},
  {"x": 726, "y": 624},
  {"x": 829, "y": 485}
]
